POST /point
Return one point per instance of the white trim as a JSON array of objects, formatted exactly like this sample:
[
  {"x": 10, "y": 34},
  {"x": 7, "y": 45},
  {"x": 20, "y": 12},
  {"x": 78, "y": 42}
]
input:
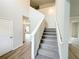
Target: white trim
[
  {"x": 74, "y": 19},
  {"x": 35, "y": 37},
  {"x": 17, "y": 46},
  {"x": 32, "y": 49}
]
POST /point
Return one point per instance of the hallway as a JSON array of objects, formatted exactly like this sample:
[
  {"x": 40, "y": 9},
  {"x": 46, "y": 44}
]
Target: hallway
[
  {"x": 51, "y": 27},
  {"x": 48, "y": 47}
]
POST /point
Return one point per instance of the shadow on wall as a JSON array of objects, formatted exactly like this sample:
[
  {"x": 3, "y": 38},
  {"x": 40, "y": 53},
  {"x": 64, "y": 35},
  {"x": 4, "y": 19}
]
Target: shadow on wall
[{"x": 46, "y": 24}]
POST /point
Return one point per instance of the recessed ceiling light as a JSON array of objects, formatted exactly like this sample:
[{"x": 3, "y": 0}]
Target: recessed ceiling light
[{"x": 51, "y": 10}]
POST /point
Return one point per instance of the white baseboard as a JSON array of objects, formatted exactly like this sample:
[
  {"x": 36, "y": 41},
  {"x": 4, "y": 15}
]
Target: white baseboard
[{"x": 17, "y": 46}]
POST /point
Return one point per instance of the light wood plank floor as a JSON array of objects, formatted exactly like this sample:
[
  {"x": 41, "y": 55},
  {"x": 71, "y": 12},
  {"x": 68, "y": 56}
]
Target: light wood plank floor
[{"x": 23, "y": 52}]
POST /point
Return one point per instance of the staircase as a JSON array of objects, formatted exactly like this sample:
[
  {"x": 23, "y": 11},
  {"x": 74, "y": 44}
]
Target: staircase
[{"x": 48, "y": 47}]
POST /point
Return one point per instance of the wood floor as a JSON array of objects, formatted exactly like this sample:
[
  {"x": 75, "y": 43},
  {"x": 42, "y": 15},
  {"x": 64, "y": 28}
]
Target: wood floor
[
  {"x": 73, "y": 51},
  {"x": 23, "y": 52}
]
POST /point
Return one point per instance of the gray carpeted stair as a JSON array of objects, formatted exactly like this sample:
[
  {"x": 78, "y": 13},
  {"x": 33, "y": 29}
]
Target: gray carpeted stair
[
  {"x": 51, "y": 54},
  {"x": 50, "y": 33},
  {"x": 42, "y": 57},
  {"x": 49, "y": 36},
  {"x": 50, "y": 30},
  {"x": 48, "y": 46}
]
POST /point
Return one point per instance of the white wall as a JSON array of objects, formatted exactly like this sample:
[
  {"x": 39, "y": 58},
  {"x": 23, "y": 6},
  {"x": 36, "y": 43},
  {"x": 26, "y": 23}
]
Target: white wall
[
  {"x": 14, "y": 10},
  {"x": 6, "y": 31},
  {"x": 62, "y": 13},
  {"x": 35, "y": 17},
  {"x": 50, "y": 13},
  {"x": 63, "y": 17}
]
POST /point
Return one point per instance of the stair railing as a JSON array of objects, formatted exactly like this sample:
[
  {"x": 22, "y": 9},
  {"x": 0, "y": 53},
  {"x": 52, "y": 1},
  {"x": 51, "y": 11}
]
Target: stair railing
[
  {"x": 58, "y": 32},
  {"x": 36, "y": 37},
  {"x": 63, "y": 46}
]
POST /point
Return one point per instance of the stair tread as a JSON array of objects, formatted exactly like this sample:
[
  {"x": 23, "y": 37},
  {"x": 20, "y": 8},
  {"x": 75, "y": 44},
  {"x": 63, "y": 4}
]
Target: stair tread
[
  {"x": 42, "y": 57},
  {"x": 48, "y": 50},
  {"x": 51, "y": 36},
  {"x": 49, "y": 46},
  {"x": 47, "y": 39},
  {"x": 48, "y": 53},
  {"x": 50, "y": 43},
  {"x": 49, "y": 32},
  {"x": 53, "y": 49},
  {"x": 50, "y": 29}
]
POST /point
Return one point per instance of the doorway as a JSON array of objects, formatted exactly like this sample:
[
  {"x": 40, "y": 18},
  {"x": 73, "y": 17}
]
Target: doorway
[{"x": 26, "y": 28}]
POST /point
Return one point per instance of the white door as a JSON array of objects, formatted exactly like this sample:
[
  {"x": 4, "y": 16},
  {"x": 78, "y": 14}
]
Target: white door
[{"x": 6, "y": 36}]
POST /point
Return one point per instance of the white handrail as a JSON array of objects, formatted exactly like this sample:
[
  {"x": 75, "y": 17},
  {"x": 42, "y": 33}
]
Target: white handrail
[
  {"x": 59, "y": 33},
  {"x": 38, "y": 25},
  {"x": 36, "y": 37},
  {"x": 60, "y": 38},
  {"x": 63, "y": 46}
]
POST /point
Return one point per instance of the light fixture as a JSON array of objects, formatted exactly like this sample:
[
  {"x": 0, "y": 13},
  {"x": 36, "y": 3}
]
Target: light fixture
[{"x": 51, "y": 11}]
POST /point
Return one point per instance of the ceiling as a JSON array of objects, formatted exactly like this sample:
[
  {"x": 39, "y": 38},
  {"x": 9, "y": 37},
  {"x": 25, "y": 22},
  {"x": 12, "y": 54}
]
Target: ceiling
[
  {"x": 37, "y": 3},
  {"x": 41, "y": 2}
]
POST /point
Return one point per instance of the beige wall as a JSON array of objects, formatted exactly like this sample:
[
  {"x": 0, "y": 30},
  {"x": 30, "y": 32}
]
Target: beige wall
[
  {"x": 74, "y": 14},
  {"x": 74, "y": 29},
  {"x": 74, "y": 11}
]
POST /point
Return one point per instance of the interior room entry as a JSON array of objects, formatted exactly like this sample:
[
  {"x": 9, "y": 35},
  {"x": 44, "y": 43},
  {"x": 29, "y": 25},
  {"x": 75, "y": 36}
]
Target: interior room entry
[
  {"x": 6, "y": 36},
  {"x": 26, "y": 27}
]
